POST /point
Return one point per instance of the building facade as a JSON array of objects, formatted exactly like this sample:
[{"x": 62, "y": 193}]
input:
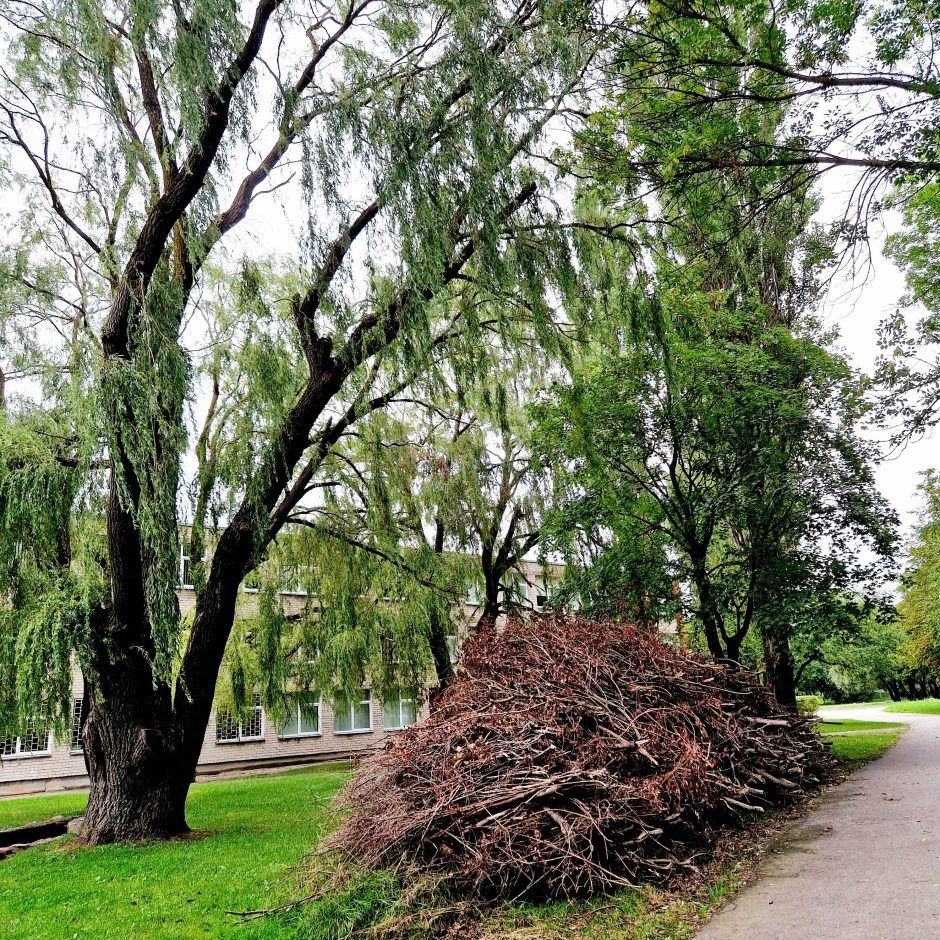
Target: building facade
[{"x": 310, "y": 731}]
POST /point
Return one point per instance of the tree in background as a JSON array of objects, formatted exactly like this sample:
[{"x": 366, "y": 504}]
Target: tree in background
[
  {"x": 714, "y": 434},
  {"x": 919, "y": 607},
  {"x": 859, "y": 83},
  {"x": 409, "y": 143},
  {"x": 429, "y": 510}
]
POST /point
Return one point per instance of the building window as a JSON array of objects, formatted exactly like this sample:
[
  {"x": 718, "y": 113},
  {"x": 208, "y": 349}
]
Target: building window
[
  {"x": 186, "y": 575},
  {"x": 33, "y": 742},
  {"x": 354, "y": 718},
  {"x": 228, "y": 730},
  {"x": 76, "y": 743},
  {"x": 301, "y": 717},
  {"x": 291, "y": 581},
  {"x": 400, "y": 713}
]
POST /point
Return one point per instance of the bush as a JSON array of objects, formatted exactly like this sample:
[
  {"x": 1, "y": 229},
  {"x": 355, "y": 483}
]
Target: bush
[
  {"x": 808, "y": 704},
  {"x": 572, "y": 756}
]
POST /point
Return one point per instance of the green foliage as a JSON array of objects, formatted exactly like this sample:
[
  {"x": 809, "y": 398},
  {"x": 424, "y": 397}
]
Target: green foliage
[
  {"x": 808, "y": 704},
  {"x": 179, "y": 380},
  {"x": 919, "y": 608}
]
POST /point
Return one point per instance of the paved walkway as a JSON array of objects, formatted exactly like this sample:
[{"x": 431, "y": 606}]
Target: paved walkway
[{"x": 863, "y": 865}]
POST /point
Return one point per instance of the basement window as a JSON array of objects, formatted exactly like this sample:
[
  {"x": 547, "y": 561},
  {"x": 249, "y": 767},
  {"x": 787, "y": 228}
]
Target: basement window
[
  {"x": 228, "y": 730},
  {"x": 33, "y": 742}
]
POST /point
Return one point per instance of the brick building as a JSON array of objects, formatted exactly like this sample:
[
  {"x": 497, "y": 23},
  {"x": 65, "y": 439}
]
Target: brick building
[{"x": 311, "y": 730}]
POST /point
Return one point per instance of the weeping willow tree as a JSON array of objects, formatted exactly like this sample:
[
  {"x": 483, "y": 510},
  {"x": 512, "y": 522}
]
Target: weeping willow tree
[
  {"x": 423, "y": 514},
  {"x": 401, "y": 157}
]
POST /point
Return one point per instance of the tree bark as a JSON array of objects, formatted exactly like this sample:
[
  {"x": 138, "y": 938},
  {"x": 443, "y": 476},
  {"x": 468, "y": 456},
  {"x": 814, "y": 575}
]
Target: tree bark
[
  {"x": 778, "y": 662},
  {"x": 437, "y": 639},
  {"x": 139, "y": 778},
  {"x": 708, "y": 612}
]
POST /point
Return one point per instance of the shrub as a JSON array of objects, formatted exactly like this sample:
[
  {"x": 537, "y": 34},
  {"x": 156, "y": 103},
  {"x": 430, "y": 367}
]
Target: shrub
[{"x": 808, "y": 704}]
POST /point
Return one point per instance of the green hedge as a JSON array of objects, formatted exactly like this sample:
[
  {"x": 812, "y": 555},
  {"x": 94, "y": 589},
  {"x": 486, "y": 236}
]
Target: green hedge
[{"x": 808, "y": 704}]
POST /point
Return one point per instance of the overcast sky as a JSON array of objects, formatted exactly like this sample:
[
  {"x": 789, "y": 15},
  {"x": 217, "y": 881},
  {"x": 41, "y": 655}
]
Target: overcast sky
[{"x": 857, "y": 301}]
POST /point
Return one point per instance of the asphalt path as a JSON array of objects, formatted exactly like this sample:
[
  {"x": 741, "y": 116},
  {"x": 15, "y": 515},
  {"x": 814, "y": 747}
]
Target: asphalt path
[{"x": 864, "y": 864}]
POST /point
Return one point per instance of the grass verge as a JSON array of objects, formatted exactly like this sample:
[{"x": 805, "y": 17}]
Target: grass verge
[
  {"x": 927, "y": 706},
  {"x": 850, "y": 724},
  {"x": 857, "y": 749},
  {"x": 875, "y": 703}
]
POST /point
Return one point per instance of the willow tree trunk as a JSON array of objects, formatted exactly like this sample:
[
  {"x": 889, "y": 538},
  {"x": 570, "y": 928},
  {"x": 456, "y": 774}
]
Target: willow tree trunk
[{"x": 139, "y": 779}]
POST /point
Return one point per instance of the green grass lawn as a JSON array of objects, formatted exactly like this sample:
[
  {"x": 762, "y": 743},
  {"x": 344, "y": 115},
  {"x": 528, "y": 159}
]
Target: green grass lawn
[
  {"x": 856, "y": 749},
  {"x": 877, "y": 703},
  {"x": 850, "y": 724},
  {"x": 38, "y": 808},
  {"x": 250, "y": 835},
  {"x": 927, "y": 706}
]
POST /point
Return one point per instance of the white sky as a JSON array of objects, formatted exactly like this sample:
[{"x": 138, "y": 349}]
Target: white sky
[{"x": 862, "y": 294}]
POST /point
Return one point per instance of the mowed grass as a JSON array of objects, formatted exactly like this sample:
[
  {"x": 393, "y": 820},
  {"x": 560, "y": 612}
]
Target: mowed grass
[
  {"x": 38, "y": 808},
  {"x": 876, "y": 703},
  {"x": 850, "y": 724},
  {"x": 927, "y": 706},
  {"x": 249, "y": 836},
  {"x": 855, "y": 749}
]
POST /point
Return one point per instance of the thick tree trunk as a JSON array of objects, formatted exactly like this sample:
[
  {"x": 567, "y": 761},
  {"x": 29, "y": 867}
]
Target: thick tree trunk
[
  {"x": 778, "y": 661},
  {"x": 139, "y": 774}
]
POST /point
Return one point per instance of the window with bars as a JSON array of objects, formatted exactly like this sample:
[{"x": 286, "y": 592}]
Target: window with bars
[
  {"x": 354, "y": 718},
  {"x": 301, "y": 717},
  {"x": 75, "y": 741},
  {"x": 400, "y": 713},
  {"x": 229, "y": 730},
  {"x": 33, "y": 742}
]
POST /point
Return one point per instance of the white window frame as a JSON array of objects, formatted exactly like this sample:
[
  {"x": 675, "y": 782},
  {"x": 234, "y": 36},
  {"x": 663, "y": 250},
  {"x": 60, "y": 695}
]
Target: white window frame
[
  {"x": 351, "y": 711},
  {"x": 76, "y": 727},
  {"x": 19, "y": 754},
  {"x": 241, "y": 737},
  {"x": 304, "y": 734},
  {"x": 399, "y": 702},
  {"x": 184, "y": 559}
]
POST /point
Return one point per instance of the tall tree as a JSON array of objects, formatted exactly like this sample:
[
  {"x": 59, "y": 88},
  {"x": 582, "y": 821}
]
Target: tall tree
[
  {"x": 919, "y": 608},
  {"x": 408, "y": 141},
  {"x": 446, "y": 492},
  {"x": 859, "y": 82}
]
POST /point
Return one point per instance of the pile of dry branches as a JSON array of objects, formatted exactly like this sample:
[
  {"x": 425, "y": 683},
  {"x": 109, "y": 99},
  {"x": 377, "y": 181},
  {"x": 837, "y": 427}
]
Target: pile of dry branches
[{"x": 572, "y": 756}]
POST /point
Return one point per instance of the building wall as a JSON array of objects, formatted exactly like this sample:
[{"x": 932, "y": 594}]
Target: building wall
[{"x": 63, "y": 768}]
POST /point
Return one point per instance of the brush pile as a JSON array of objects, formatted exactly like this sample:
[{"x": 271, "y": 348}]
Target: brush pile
[{"x": 570, "y": 757}]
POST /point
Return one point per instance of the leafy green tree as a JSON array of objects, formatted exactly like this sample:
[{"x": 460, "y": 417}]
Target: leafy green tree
[
  {"x": 410, "y": 144},
  {"x": 859, "y": 84},
  {"x": 440, "y": 496},
  {"x": 919, "y": 607}
]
